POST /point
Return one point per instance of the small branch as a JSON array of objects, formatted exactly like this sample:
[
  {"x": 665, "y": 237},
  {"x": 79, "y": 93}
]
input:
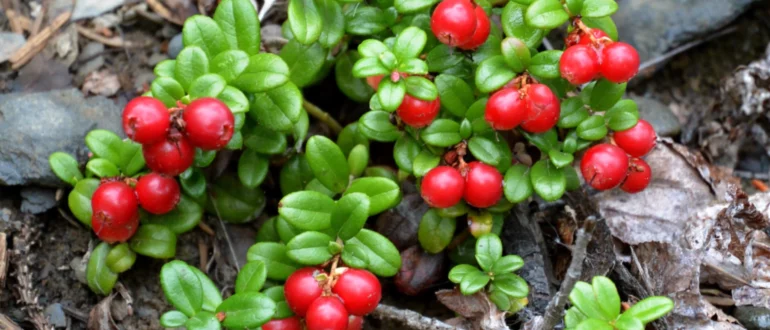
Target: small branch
[
  {"x": 265, "y": 9},
  {"x": 116, "y": 42},
  {"x": 227, "y": 237},
  {"x": 555, "y": 310},
  {"x": 323, "y": 116},
  {"x": 206, "y": 229},
  {"x": 408, "y": 318},
  {"x": 36, "y": 44}
]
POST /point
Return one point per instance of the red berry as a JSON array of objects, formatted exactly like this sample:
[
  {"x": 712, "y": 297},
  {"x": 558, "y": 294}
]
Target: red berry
[
  {"x": 604, "y": 166},
  {"x": 453, "y": 22},
  {"x": 209, "y": 123},
  {"x": 115, "y": 212},
  {"x": 505, "y": 109},
  {"x": 169, "y": 156},
  {"x": 483, "y": 185},
  {"x": 620, "y": 62},
  {"x": 481, "y": 33},
  {"x": 326, "y": 313},
  {"x": 374, "y": 81},
  {"x": 418, "y": 113},
  {"x": 639, "y": 175},
  {"x": 355, "y": 322},
  {"x": 442, "y": 187},
  {"x": 301, "y": 289},
  {"x": 289, "y": 323},
  {"x": 146, "y": 120},
  {"x": 598, "y": 35},
  {"x": 359, "y": 290},
  {"x": 636, "y": 141},
  {"x": 157, "y": 193},
  {"x": 579, "y": 64},
  {"x": 543, "y": 110}
]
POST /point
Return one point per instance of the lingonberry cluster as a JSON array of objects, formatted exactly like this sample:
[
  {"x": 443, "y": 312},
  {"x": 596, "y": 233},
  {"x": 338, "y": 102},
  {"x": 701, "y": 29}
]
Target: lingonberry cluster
[
  {"x": 606, "y": 166},
  {"x": 328, "y": 301},
  {"x": 531, "y": 105},
  {"x": 460, "y": 23},
  {"x": 479, "y": 184},
  {"x": 591, "y": 54}
]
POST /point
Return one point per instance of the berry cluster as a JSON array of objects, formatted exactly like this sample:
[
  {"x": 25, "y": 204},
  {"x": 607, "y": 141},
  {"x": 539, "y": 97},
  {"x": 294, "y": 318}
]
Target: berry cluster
[
  {"x": 533, "y": 106},
  {"x": 479, "y": 184},
  {"x": 460, "y": 23},
  {"x": 591, "y": 54},
  {"x": 606, "y": 166},
  {"x": 334, "y": 301}
]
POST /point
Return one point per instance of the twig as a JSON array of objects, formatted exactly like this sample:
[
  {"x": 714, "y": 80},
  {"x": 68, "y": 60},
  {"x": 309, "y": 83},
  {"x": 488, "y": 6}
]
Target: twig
[
  {"x": 161, "y": 10},
  {"x": 116, "y": 42},
  {"x": 16, "y": 21},
  {"x": 35, "y": 44},
  {"x": 547, "y": 44},
  {"x": 75, "y": 313},
  {"x": 323, "y": 116},
  {"x": 203, "y": 255},
  {"x": 3, "y": 260},
  {"x": 39, "y": 20},
  {"x": 22, "y": 242},
  {"x": 555, "y": 309},
  {"x": 408, "y": 318},
  {"x": 265, "y": 9},
  {"x": 227, "y": 236},
  {"x": 678, "y": 50},
  {"x": 206, "y": 229}
]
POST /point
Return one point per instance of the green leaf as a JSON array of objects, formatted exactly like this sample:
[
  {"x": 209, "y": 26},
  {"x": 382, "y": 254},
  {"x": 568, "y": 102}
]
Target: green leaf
[
  {"x": 592, "y": 129},
  {"x": 234, "y": 99},
  {"x": 409, "y": 43},
  {"x": 252, "y": 168},
  {"x": 573, "y": 112},
  {"x": 493, "y": 73},
  {"x": 165, "y": 68},
  {"x": 484, "y": 150},
  {"x": 560, "y": 159},
  {"x": 276, "y": 293},
  {"x": 204, "y": 32},
  {"x": 473, "y": 282},
  {"x": 546, "y": 64},
  {"x": 413, "y": 6},
  {"x": 204, "y": 158},
  {"x": 391, "y": 94},
  {"x": 372, "y": 48},
  {"x": 602, "y": 23},
  {"x": 424, "y": 162},
  {"x": 240, "y": 24},
  {"x": 548, "y": 181},
  {"x": 207, "y": 85},
  {"x": 173, "y": 319},
  {"x": 457, "y": 273},
  {"x": 435, "y": 232},
  {"x": 573, "y": 317},
  {"x": 102, "y": 168},
  {"x": 251, "y": 278},
  {"x": 514, "y": 25},
  {"x": 203, "y": 321},
  {"x": 404, "y": 152},
  {"x": 582, "y": 296},
  {"x": 267, "y": 231},
  {"x": 211, "y": 295},
  {"x": 355, "y": 256},
  {"x": 369, "y": 66},
  {"x": 277, "y": 109},
  {"x": 183, "y": 218},
  {"x": 65, "y": 167},
  {"x": 442, "y": 58},
  {"x": 305, "y": 20},
  {"x": 442, "y": 133},
  {"x": 629, "y": 323},
  {"x": 120, "y": 258},
  {"x": 388, "y": 60},
  {"x": 622, "y": 116},
  {"x": 192, "y": 62},
  {"x": 100, "y": 278},
  {"x": 182, "y": 287},
  {"x": 383, "y": 193},
  {"x": 466, "y": 129},
  {"x": 544, "y": 141},
  {"x": 421, "y": 88},
  {"x": 605, "y": 94},
  {"x": 573, "y": 181},
  {"x": 516, "y": 54},
  {"x": 489, "y": 249},
  {"x": 167, "y": 90},
  {"x": 511, "y": 284},
  {"x": 79, "y": 200},
  {"x": 384, "y": 258},
  {"x": 315, "y": 185},
  {"x": 307, "y": 210},
  {"x": 650, "y": 309},
  {"x": 454, "y": 211},
  {"x": 574, "y": 6},
  {"x": 246, "y": 310},
  {"x": 598, "y": 8},
  {"x": 234, "y": 202},
  {"x": 507, "y": 264},
  {"x": 105, "y": 144},
  {"x": 295, "y": 175},
  {"x": 517, "y": 184},
  {"x": 414, "y": 66},
  {"x": 364, "y": 20},
  {"x": 546, "y": 14},
  {"x": 607, "y": 296},
  {"x": 333, "y": 23},
  {"x": 193, "y": 183},
  {"x": 264, "y": 73},
  {"x": 354, "y": 88},
  {"x": 456, "y": 95},
  {"x": 154, "y": 241},
  {"x": 304, "y": 61},
  {"x": 376, "y": 125},
  {"x": 328, "y": 163},
  {"x": 350, "y": 215},
  {"x": 309, "y": 248},
  {"x": 278, "y": 265}
]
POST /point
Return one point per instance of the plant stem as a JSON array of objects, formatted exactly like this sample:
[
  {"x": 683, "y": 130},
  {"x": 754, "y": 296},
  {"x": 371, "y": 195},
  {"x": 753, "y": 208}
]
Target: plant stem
[{"x": 323, "y": 116}]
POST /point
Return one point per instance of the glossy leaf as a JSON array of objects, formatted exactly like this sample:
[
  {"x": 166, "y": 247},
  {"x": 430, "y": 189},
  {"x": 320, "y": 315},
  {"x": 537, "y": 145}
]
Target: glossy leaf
[
  {"x": 234, "y": 99},
  {"x": 207, "y": 85},
  {"x": 573, "y": 112},
  {"x": 100, "y": 278},
  {"x": 304, "y": 61},
  {"x": 456, "y": 95},
  {"x": 435, "y": 232},
  {"x": 102, "y": 168},
  {"x": 211, "y": 295},
  {"x": 365, "y": 20},
  {"x": 603, "y": 23},
  {"x": 424, "y": 162},
  {"x": 457, "y": 273},
  {"x": 544, "y": 141},
  {"x": 376, "y": 125},
  {"x": 484, "y": 150},
  {"x": 203, "y": 321},
  {"x": 622, "y": 116},
  {"x": 629, "y": 323},
  {"x": 354, "y": 88},
  {"x": 191, "y": 63},
  {"x": 277, "y": 109},
  {"x": 592, "y": 128},
  {"x": 517, "y": 184},
  {"x": 252, "y": 168},
  {"x": 473, "y": 282},
  {"x": 79, "y": 200},
  {"x": 409, "y": 43},
  {"x": 234, "y": 202},
  {"x": 514, "y": 25},
  {"x": 384, "y": 258},
  {"x": 598, "y": 8},
  {"x": 155, "y": 241},
  {"x": 391, "y": 94},
  {"x": 507, "y": 264},
  {"x": 350, "y": 215},
  {"x": 246, "y": 310},
  {"x": 546, "y": 14},
  {"x": 252, "y": 277},
  {"x": 560, "y": 159},
  {"x": 548, "y": 181},
  {"x": 511, "y": 284},
  {"x": 278, "y": 265},
  {"x": 309, "y": 248},
  {"x": 305, "y": 20},
  {"x": 328, "y": 163},
  {"x": 493, "y": 73},
  {"x": 120, "y": 258},
  {"x": 355, "y": 256},
  {"x": 383, "y": 193},
  {"x": 369, "y": 66},
  {"x": 165, "y": 69},
  {"x": 442, "y": 58},
  {"x": 404, "y": 152},
  {"x": 442, "y": 133},
  {"x": 650, "y": 309},
  {"x": 582, "y": 296},
  {"x": 573, "y": 317},
  {"x": 594, "y": 324},
  {"x": 489, "y": 249},
  {"x": 167, "y": 90},
  {"x": 182, "y": 287},
  {"x": 173, "y": 319},
  {"x": 607, "y": 296},
  {"x": 295, "y": 174},
  {"x": 105, "y": 144},
  {"x": 413, "y": 6},
  {"x": 516, "y": 54},
  {"x": 202, "y": 31},
  {"x": 421, "y": 88},
  {"x": 65, "y": 167},
  {"x": 240, "y": 24},
  {"x": 546, "y": 64},
  {"x": 605, "y": 94},
  {"x": 264, "y": 73},
  {"x": 307, "y": 210},
  {"x": 333, "y": 23}
]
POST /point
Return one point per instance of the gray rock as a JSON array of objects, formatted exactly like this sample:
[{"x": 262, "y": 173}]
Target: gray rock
[
  {"x": 35, "y": 125},
  {"x": 11, "y": 43},
  {"x": 655, "y": 27},
  {"x": 175, "y": 46},
  {"x": 93, "y": 8},
  {"x": 36, "y": 200},
  {"x": 753, "y": 318},
  {"x": 659, "y": 115},
  {"x": 56, "y": 316}
]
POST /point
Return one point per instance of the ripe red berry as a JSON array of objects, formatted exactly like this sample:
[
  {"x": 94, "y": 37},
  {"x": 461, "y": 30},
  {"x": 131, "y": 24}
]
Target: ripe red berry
[
  {"x": 289, "y": 323},
  {"x": 639, "y": 175},
  {"x": 359, "y": 290},
  {"x": 505, "y": 109},
  {"x": 169, "y": 156},
  {"x": 157, "y": 193},
  {"x": 326, "y": 313},
  {"x": 146, "y": 120},
  {"x": 115, "y": 212},
  {"x": 604, "y": 166},
  {"x": 579, "y": 64},
  {"x": 374, "y": 81},
  {"x": 209, "y": 123},
  {"x": 301, "y": 289},
  {"x": 598, "y": 35},
  {"x": 442, "y": 187},
  {"x": 483, "y": 185},
  {"x": 543, "y": 110},
  {"x": 453, "y": 22},
  {"x": 481, "y": 33},
  {"x": 620, "y": 62},
  {"x": 355, "y": 322},
  {"x": 418, "y": 113},
  {"x": 636, "y": 141}
]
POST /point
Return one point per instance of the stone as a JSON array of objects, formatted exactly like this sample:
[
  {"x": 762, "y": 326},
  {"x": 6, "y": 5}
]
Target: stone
[
  {"x": 93, "y": 8},
  {"x": 56, "y": 316},
  {"x": 34, "y": 125},
  {"x": 175, "y": 46},
  {"x": 753, "y": 318},
  {"x": 659, "y": 115},
  {"x": 91, "y": 54},
  {"x": 36, "y": 200},
  {"x": 11, "y": 43}
]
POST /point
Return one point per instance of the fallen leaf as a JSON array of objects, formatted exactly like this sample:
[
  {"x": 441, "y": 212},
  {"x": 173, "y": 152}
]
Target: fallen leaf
[
  {"x": 102, "y": 82},
  {"x": 419, "y": 271},
  {"x": 100, "y": 317}
]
